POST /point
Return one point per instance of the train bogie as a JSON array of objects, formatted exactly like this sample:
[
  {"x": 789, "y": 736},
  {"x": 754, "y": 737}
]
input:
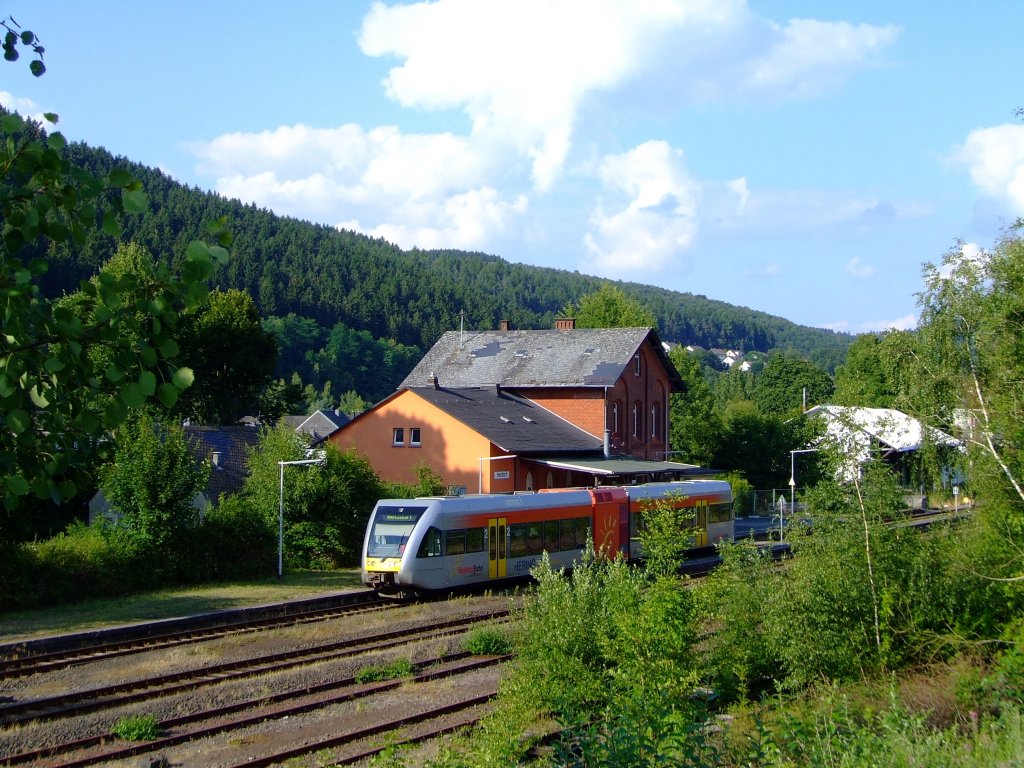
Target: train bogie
[{"x": 437, "y": 543}]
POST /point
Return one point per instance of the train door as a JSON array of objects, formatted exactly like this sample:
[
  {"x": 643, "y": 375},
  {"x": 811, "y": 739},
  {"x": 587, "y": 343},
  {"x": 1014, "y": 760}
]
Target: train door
[
  {"x": 700, "y": 523},
  {"x": 496, "y": 554}
]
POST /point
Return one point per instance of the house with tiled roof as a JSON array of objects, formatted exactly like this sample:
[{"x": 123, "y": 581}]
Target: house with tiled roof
[
  {"x": 513, "y": 410},
  {"x": 227, "y": 451}
]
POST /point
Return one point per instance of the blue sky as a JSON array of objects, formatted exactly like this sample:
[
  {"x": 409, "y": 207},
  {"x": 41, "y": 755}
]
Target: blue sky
[{"x": 799, "y": 158}]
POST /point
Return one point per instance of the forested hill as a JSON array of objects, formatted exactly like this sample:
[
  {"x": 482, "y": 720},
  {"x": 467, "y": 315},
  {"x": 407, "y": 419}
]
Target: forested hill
[{"x": 406, "y": 297}]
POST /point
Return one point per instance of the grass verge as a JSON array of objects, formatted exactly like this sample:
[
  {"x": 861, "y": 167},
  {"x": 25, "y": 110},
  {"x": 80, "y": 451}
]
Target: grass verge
[{"x": 165, "y": 604}]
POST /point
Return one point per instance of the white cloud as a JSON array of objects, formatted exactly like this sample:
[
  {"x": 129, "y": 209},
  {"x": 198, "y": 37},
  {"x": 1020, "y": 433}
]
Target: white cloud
[
  {"x": 800, "y": 211},
  {"x": 659, "y": 220},
  {"x": 806, "y": 57},
  {"x": 739, "y": 188},
  {"x": 995, "y": 160},
  {"x": 970, "y": 255},
  {"x": 24, "y": 107},
  {"x": 905, "y": 323},
  {"x": 521, "y": 69},
  {"x": 858, "y": 269},
  {"x": 460, "y": 221},
  {"x": 523, "y": 72},
  {"x": 422, "y": 190},
  {"x": 766, "y": 269}
]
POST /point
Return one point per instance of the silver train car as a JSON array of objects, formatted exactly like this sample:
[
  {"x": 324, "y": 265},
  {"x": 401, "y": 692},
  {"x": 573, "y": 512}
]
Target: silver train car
[{"x": 419, "y": 545}]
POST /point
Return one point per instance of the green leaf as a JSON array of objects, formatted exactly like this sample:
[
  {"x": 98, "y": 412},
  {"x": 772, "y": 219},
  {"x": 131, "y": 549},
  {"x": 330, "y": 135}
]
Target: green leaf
[
  {"x": 114, "y": 374},
  {"x": 17, "y": 485},
  {"x": 183, "y": 378},
  {"x": 197, "y": 251},
  {"x": 120, "y": 177},
  {"x": 135, "y": 201},
  {"x": 168, "y": 395},
  {"x": 37, "y": 68},
  {"x": 169, "y": 348},
  {"x": 38, "y": 399},
  {"x": 18, "y": 421},
  {"x": 54, "y": 364},
  {"x": 147, "y": 383},
  {"x": 132, "y": 395},
  {"x": 111, "y": 226},
  {"x": 56, "y": 141},
  {"x": 148, "y": 355},
  {"x": 220, "y": 255},
  {"x": 115, "y": 413}
]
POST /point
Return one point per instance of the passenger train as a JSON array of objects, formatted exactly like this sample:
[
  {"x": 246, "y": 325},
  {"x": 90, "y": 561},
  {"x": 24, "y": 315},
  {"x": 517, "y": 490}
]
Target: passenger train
[{"x": 433, "y": 543}]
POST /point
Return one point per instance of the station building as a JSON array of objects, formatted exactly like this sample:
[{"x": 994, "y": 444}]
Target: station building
[{"x": 523, "y": 410}]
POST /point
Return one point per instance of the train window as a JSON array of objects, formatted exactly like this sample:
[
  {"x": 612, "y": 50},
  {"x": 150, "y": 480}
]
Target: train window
[
  {"x": 455, "y": 542},
  {"x": 431, "y": 544},
  {"x": 534, "y": 545},
  {"x": 551, "y": 535},
  {"x": 567, "y": 534},
  {"x": 474, "y": 539},
  {"x": 392, "y": 527},
  {"x": 582, "y": 531},
  {"x": 720, "y": 513},
  {"x": 517, "y": 541}
]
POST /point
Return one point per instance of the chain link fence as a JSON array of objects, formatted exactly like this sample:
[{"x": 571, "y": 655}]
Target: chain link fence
[{"x": 768, "y": 503}]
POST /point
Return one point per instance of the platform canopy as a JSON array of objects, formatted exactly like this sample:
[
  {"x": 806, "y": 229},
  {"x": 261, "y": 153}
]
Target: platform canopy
[{"x": 623, "y": 467}]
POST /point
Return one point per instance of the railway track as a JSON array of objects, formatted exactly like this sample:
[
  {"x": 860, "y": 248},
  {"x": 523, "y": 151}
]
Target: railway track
[
  {"x": 21, "y": 660},
  {"x": 286, "y": 704},
  {"x": 108, "y": 697}
]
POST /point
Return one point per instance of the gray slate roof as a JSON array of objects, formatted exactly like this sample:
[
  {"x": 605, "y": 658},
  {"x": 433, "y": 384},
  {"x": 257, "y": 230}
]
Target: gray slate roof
[
  {"x": 513, "y": 423},
  {"x": 588, "y": 357},
  {"x": 322, "y": 424},
  {"x": 232, "y": 446}
]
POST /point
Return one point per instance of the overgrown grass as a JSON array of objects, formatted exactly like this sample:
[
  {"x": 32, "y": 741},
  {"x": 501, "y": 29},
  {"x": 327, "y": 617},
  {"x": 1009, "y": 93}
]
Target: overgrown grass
[
  {"x": 390, "y": 671},
  {"x": 168, "y": 603}
]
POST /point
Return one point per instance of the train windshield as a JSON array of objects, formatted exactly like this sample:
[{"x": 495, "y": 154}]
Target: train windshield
[{"x": 392, "y": 526}]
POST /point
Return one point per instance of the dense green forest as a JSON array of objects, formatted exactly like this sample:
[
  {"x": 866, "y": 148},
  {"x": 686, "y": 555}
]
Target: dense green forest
[{"x": 359, "y": 312}]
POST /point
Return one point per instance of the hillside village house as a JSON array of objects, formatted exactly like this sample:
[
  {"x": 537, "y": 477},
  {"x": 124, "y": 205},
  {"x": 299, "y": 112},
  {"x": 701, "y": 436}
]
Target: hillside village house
[{"x": 507, "y": 410}]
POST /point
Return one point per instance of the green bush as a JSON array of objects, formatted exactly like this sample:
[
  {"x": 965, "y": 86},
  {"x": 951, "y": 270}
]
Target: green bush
[
  {"x": 487, "y": 642},
  {"x": 390, "y": 671},
  {"x": 141, "y": 728}
]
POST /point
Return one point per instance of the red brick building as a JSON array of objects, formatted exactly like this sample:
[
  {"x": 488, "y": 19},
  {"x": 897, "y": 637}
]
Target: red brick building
[{"x": 501, "y": 411}]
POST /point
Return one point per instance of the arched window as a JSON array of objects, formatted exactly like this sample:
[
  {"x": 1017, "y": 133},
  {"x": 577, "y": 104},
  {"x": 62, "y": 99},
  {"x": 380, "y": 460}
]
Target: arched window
[
  {"x": 638, "y": 420},
  {"x": 616, "y": 425},
  {"x": 529, "y": 481},
  {"x": 655, "y": 420},
  {"x": 551, "y": 480}
]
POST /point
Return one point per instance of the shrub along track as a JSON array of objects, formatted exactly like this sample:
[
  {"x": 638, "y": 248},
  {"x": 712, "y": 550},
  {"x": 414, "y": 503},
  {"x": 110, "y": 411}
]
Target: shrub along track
[
  {"x": 33, "y": 657},
  {"x": 34, "y": 726}
]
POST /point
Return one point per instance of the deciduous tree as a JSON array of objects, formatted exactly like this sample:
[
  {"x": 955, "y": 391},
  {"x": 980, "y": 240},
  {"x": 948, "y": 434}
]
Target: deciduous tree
[{"x": 49, "y": 434}]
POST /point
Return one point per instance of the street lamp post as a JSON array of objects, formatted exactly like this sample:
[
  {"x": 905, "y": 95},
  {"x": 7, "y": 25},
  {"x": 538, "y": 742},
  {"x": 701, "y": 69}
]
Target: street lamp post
[
  {"x": 280, "y": 510},
  {"x": 792, "y": 483}
]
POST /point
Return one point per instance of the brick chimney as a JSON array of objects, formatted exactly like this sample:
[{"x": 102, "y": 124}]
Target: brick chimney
[
  {"x": 565, "y": 323},
  {"x": 503, "y": 326}
]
